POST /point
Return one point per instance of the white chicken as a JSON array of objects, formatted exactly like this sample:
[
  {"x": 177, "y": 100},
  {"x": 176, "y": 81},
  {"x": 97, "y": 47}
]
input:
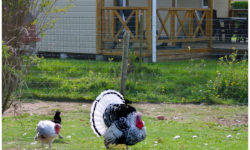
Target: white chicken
[{"x": 46, "y": 132}]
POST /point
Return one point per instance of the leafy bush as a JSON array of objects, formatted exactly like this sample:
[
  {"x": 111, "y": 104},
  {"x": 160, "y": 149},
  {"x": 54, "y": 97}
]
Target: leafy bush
[
  {"x": 240, "y": 5},
  {"x": 24, "y": 21},
  {"x": 14, "y": 67},
  {"x": 229, "y": 84}
]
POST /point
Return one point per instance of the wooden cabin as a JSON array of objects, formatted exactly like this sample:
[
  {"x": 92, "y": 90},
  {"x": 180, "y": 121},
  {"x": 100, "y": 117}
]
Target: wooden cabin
[{"x": 183, "y": 28}]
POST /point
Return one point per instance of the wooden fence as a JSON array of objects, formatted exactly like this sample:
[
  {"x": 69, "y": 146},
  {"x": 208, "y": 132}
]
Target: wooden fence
[
  {"x": 110, "y": 13},
  {"x": 238, "y": 12},
  {"x": 189, "y": 26}
]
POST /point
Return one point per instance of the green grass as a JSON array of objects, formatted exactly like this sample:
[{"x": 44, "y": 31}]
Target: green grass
[
  {"x": 160, "y": 134},
  {"x": 81, "y": 80}
]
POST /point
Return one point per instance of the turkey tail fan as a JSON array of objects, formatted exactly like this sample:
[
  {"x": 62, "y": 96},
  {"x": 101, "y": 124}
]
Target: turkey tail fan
[{"x": 98, "y": 108}]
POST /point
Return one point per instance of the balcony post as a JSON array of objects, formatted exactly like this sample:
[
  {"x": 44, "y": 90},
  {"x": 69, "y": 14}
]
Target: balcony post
[{"x": 210, "y": 5}]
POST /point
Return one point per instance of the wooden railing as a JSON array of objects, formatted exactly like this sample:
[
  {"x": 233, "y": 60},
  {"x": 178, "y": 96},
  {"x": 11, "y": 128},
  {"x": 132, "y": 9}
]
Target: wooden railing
[
  {"x": 111, "y": 14},
  {"x": 190, "y": 25},
  {"x": 238, "y": 12},
  {"x": 108, "y": 18}
]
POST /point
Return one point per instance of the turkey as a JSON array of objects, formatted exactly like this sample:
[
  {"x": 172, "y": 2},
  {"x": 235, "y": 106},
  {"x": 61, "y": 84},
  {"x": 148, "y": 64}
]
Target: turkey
[
  {"x": 46, "y": 132},
  {"x": 116, "y": 121}
]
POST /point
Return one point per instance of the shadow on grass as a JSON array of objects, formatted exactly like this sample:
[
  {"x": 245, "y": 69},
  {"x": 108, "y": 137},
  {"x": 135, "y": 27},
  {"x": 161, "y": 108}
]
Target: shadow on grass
[{"x": 62, "y": 141}]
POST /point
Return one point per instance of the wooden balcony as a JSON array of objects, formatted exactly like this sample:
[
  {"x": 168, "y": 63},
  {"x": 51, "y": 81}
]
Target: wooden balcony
[{"x": 174, "y": 26}]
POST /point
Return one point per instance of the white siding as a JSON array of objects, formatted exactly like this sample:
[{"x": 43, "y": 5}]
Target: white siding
[
  {"x": 222, "y": 8},
  {"x": 220, "y": 5},
  {"x": 189, "y": 3},
  {"x": 75, "y": 31}
]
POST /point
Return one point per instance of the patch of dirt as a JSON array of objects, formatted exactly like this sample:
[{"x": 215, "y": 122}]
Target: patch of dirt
[
  {"x": 229, "y": 122},
  {"x": 44, "y": 108},
  {"x": 221, "y": 114}
]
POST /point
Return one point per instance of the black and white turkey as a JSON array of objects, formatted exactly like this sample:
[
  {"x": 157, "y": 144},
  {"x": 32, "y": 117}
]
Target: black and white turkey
[{"x": 116, "y": 121}]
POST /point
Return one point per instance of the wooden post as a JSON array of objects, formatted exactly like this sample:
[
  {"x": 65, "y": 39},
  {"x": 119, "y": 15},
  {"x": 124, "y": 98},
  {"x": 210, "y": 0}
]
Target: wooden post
[
  {"x": 141, "y": 38},
  {"x": 102, "y": 23},
  {"x": 107, "y": 25},
  {"x": 98, "y": 27},
  {"x": 113, "y": 21},
  {"x": 229, "y": 8},
  {"x": 149, "y": 26},
  {"x": 191, "y": 23},
  {"x": 173, "y": 22},
  {"x": 112, "y": 25},
  {"x": 124, "y": 68},
  {"x": 137, "y": 17},
  {"x": 210, "y": 5}
]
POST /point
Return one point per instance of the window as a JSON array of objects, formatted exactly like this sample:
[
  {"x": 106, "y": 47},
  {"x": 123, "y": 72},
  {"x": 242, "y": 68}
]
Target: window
[{"x": 204, "y": 3}]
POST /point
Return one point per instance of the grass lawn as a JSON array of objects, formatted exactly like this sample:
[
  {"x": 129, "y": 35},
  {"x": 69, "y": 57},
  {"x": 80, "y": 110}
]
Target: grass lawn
[
  {"x": 171, "y": 82},
  {"x": 217, "y": 127}
]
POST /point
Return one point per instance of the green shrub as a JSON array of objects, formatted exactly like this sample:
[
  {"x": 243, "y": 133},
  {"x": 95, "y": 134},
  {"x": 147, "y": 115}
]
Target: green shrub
[
  {"x": 229, "y": 84},
  {"x": 240, "y": 5}
]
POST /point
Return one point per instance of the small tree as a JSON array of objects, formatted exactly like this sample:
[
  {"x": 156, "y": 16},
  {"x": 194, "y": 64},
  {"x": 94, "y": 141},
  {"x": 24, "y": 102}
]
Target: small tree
[{"x": 23, "y": 22}]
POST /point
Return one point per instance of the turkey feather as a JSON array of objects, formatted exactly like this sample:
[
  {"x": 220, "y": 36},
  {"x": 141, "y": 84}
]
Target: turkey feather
[{"x": 98, "y": 108}]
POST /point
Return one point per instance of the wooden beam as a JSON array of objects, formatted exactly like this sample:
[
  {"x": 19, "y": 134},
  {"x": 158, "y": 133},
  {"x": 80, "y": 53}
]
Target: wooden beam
[
  {"x": 183, "y": 9},
  {"x": 181, "y": 24},
  {"x": 112, "y": 24},
  {"x": 120, "y": 40},
  {"x": 173, "y": 25},
  {"x": 191, "y": 23},
  {"x": 210, "y": 6},
  {"x": 126, "y": 8},
  {"x": 136, "y": 24},
  {"x": 98, "y": 27},
  {"x": 149, "y": 25},
  {"x": 185, "y": 40},
  {"x": 229, "y": 4},
  {"x": 229, "y": 8},
  {"x": 102, "y": 23},
  {"x": 182, "y": 51},
  {"x": 173, "y": 34},
  {"x": 119, "y": 53},
  {"x": 107, "y": 25},
  {"x": 124, "y": 24},
  {"x": 199, "y": 22},
  {"x": 160, "y": 53},
  {"x": 141, "y": 37},
  {"x": 163, "y": 24}
]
